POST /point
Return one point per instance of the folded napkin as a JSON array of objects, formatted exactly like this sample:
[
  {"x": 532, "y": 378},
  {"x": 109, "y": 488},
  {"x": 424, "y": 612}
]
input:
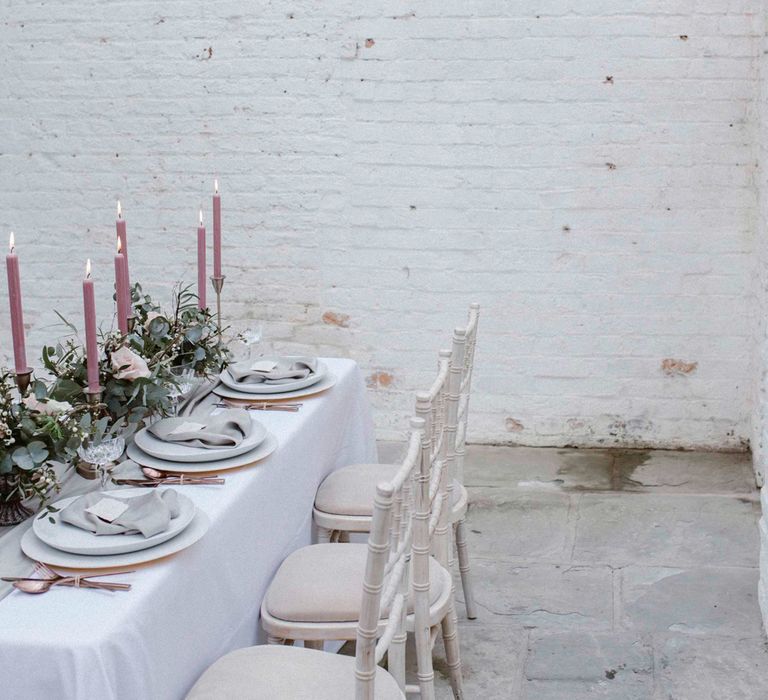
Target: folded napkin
[
  {"x": 273, "y": 371},
  {"x": 195, "y": 400},
  {"x": 148, "y": 514},
  {"x": 226, "y": 429}
]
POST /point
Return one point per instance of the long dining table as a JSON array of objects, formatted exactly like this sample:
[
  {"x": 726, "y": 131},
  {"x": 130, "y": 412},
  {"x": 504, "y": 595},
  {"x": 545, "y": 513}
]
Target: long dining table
[{"x": 184, "y": 612}]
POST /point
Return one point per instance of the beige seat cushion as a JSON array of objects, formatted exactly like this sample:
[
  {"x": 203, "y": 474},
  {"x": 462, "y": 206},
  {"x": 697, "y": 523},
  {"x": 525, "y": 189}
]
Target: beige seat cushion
[
  {"x": 350, "y": 490},
  {"x": 286, "y": 673},
  {"x": 324, "y": 583}
]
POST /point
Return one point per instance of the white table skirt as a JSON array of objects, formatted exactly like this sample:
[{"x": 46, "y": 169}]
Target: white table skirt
[{"x": 153, "y": 642}]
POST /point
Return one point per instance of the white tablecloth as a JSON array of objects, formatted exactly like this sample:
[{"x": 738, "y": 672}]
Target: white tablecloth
[{"x": 153, "y": 642}]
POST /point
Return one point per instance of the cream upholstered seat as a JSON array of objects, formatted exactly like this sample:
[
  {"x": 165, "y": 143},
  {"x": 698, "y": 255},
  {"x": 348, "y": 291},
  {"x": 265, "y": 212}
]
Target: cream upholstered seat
[
  {"x": 286, "y": 673},
  {"x": 323, "y": 583},
  {"x": 350, "y": 490}
]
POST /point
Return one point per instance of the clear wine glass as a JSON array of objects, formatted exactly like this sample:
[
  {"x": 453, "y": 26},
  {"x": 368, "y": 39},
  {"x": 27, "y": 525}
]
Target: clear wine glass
[
  {"x": 101, "y": 454},
  {"x": 249, "y": 337},
  {"x": 184, "y": 382}
]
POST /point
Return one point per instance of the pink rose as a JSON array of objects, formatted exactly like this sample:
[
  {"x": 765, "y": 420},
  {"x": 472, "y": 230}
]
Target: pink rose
[
  {"x": 126, "y": 364},
  {"x": 48, "y": 408}
]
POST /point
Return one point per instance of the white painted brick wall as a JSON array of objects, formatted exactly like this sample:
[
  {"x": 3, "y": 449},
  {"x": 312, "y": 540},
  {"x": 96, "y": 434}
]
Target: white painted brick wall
[
  {"x": 760, "y": 311},
  {"x": 583, "y": 169}
]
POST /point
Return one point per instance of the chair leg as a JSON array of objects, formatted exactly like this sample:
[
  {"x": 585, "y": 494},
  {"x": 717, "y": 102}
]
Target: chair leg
[
  {"x": 396, "y": 657},
  {"x": 425, "y": 672},
  {"x": 452, "y": 655},
  {"x": 466, "y": 579},
  {"x": 318, "y": 644},
  {"x": 323, "y": 535}
]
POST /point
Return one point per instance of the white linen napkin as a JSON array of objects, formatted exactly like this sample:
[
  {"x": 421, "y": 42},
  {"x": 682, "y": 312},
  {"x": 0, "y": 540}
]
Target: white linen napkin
[
  {"x": 148, "y": 514},
  {"x": 273, "y": 371},
  {"x": 226, "y": 429}
]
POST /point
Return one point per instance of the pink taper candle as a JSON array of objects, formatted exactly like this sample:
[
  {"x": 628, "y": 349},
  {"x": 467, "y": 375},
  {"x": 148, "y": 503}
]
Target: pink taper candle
[
  {"x": 17, "y": 313},
  {"x": 91, "y": 343},
  {"x": 216, "y": 230},
  {"x": 201, "y": 263},
  {"x": 122, "y": 236},
  {"x": 121, "y": 291}
]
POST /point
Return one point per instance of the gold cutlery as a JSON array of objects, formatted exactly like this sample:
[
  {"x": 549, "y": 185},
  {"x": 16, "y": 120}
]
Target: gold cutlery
[{"x": 260, "y": 406}]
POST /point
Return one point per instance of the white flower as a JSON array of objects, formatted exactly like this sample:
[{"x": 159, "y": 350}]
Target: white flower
[
  {"x": 48, "y": 408},
  {"x": 126, "y": 364}
]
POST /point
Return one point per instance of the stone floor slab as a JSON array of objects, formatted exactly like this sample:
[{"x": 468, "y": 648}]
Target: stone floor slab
[
  {"x": 492, "y": 660},
  {"x": 665, "y": 471},
  {"x": 511, "y": 524},
  {"x": 712, "y": 669},
  {"x": 586, "y": 656},
  {"x": 705, "y": 601},
  {"x": 543, "y": 596},
  {"x": 539, "y": 468},
  {"x": 622, "y": 529}
]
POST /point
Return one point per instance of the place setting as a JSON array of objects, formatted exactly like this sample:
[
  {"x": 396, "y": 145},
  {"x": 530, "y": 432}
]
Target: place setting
[
  {"x": 115, "y": 528},
  {"x": 177, "y": 446},
  {"x": 256, "y": 383}
]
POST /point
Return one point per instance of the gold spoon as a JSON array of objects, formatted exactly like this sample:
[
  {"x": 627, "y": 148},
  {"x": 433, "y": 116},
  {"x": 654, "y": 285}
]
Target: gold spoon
[{"x": 44, "y": 585}]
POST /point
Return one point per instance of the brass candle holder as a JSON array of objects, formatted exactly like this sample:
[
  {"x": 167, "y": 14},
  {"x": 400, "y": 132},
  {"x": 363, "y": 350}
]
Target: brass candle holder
[
  {"x": 22, "y": 381},
  {"x": 218, "y": 285}
]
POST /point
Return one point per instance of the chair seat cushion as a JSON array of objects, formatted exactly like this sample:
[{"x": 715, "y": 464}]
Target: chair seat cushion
[
  {"x": 351, "y": 490},
  {"x": 286, "y": 673},
  {"x": 324, "y": 583}
]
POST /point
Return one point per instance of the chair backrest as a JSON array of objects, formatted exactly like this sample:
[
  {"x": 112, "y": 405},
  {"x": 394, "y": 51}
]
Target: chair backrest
[
  {"x": 467, "y": 357},
  {"x": 386, "y": 582},
  {"x": 438, "y": 408}
]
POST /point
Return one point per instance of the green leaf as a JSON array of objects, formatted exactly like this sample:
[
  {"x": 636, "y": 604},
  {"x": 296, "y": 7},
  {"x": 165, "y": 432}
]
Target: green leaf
[
  {"x": 194, "y": 334},
  {"x": 38, "y": 451},
  {"x": 22, "y": 458}
]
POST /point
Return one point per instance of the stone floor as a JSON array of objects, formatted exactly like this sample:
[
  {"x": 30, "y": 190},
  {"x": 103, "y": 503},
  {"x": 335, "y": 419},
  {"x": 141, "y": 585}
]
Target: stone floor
[{"x": 603, "y": 574}]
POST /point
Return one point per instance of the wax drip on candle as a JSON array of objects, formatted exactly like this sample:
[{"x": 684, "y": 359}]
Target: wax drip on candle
[
  {"x": 88, "y": 269},
  {"x": 12, "y": 243}
]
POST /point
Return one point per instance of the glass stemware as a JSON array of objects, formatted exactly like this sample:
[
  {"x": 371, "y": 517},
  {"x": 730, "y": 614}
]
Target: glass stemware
[
  {"x": 249, "y": 337},
  {"x": 101, "y": 454}
]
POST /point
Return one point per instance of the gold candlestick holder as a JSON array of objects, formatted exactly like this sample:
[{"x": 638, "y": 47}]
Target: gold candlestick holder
[
  {"x": 218, "y": 285},
  {"x": 22, "y": 381}
]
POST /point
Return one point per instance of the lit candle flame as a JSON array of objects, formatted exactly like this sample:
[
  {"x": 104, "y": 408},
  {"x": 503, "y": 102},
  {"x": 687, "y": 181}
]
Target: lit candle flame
[
  {"x": 12, "y": 242},
  {"x": 88, "y": 269},
  {"x": 119, "y": 245},
  {"x": 215, "y": 186},
  {"x": 201, "y": 218},
  {"x": 119, "y": 210}
]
